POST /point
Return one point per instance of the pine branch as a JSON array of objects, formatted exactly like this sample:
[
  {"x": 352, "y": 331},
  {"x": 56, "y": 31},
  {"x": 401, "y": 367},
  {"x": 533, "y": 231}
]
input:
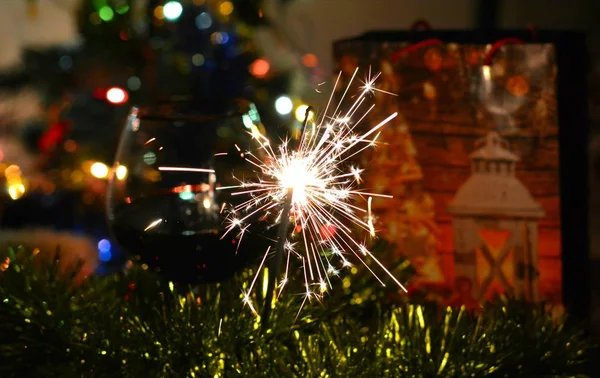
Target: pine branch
[{"x": 133, "y": 324}]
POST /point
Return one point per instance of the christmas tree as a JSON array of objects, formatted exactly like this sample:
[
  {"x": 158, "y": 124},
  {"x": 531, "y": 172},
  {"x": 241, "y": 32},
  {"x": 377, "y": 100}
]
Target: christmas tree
[{"x": 73, "y": 68}]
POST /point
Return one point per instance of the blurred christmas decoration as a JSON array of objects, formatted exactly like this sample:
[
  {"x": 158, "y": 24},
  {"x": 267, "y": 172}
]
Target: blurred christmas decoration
[
  {"x": 70, "y": 70},
  {"x": 76, "y": 253},
  {"x": 134, "y": 325}
]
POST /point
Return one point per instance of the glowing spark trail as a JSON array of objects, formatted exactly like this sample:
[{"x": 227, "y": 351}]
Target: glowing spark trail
[
  {"x": 182, "y": 169},
  {"x": 153, "y": 224},
  {"x": 370, "y": 217}
]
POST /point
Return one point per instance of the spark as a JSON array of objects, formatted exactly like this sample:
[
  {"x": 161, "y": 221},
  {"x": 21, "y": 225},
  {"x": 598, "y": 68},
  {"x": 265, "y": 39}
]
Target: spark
[
  {"x": 369, "y": 85},
  {"x": 246, "y": 295},
  {"x": 183, "y": 169},
  {"x": 356, "y": 173},
  {"x": 153, "y": 224},
  {"x": 370, "y": 217}
]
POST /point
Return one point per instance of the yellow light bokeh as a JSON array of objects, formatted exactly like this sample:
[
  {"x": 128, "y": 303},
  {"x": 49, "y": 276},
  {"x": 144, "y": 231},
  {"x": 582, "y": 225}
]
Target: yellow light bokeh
[
  {"x": 226, "y": 8},
  {"x": 121, "y": 172},
  {"x": 301, "y": 113},
  {"x": 486, "y": 71},
  {"x": 16, "y": 191},
  {"x": 206, "y": 203},
  {"x": 12, "y": 171},
  {"x": 77, "y": 176},
  {"x": 158, "y": 12},
  {"x": 99, "y": 170}
]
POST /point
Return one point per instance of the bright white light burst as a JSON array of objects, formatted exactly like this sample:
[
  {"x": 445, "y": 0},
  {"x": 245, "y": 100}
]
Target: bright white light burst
[{"x": 324, "y": 194}]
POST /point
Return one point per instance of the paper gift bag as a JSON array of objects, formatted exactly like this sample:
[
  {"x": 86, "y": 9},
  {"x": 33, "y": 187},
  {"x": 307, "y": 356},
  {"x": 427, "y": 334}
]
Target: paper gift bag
[{"x": 483, "y": 162}]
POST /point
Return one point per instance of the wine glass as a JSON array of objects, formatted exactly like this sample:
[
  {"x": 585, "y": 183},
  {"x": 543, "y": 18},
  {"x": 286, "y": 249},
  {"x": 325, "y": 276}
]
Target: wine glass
[{"x": 168, "y": 204}]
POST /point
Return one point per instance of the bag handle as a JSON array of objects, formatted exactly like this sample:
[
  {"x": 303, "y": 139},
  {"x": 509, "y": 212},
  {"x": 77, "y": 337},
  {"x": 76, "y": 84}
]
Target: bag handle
[
  {"x": 424, "y": 25},
  {"x": 414, "y": 47},
  {"x": 508, "y": 41},
  {"x": 418, "y": 25},
  {"x": 487, "y": 60}
]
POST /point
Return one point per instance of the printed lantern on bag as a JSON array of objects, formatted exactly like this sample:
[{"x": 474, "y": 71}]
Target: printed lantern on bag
[{"x": 495, "y": 226}]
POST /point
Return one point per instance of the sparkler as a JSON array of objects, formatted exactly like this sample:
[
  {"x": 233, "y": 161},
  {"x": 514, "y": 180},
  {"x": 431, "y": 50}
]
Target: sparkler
[{"x": 311, "y": 187}]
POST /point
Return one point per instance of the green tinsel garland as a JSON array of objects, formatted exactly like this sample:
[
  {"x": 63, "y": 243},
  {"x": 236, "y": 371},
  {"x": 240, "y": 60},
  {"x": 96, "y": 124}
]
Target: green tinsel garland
[{"x": 133, "y": 325}]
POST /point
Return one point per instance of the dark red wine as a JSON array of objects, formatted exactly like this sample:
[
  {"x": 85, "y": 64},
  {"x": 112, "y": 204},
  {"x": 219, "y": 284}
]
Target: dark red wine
[{"x": 181, "y": 238}]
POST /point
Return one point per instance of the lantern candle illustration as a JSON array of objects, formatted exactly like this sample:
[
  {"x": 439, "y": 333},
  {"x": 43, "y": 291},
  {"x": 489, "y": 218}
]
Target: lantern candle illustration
[{"x": 495, "y": 226}]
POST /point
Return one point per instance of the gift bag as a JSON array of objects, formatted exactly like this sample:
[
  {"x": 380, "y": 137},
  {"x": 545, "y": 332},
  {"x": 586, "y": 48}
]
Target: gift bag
[{"x": 485, "y": 160}]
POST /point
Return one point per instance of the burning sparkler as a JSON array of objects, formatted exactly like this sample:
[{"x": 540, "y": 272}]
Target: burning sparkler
[{"x": 311, "y": 187}]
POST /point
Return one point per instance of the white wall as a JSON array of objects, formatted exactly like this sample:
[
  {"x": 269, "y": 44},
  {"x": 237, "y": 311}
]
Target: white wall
[{"x": 315, "y": 24}]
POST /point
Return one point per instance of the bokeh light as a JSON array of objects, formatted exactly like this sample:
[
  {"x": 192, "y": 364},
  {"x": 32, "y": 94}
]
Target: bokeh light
[
  {"x": 284, "y": 105},
  {"x": 172, "y": 10},
  {"x": 106, "y": 13},
  {"x": 260, "y": 68},
  {"x": 203, "y": 21},
  {"x": 65, "y": 62},
  {"x": 226, "y": 8},
  {"x": 301, "y": 113},
  {"x": 123, "y": 9},
  {"x": 77, "y": 176},
  {"x": 247, "y": 121},
  {"x": 70, "y": 145},
  {"x": 116, "y": 95},
  {"x": 310, "y": 60},
  {"x": 12, "y": 171},
  {"x": 149, "y": 158},
  {"x": 134, "y": 83},
  {"x": 104, "y": 250},
  {"x": 186, "y": 195},
  {"x": 16, "y": 188},
  {"x": 198, "y": 60},
  {"x": 16, "y": 191},
  {"x": 220, "y": 38},
  {"x": 99, "y": 170},
  {"x": 158, "y": 12},
  {"x": 121, "y": 172}
]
